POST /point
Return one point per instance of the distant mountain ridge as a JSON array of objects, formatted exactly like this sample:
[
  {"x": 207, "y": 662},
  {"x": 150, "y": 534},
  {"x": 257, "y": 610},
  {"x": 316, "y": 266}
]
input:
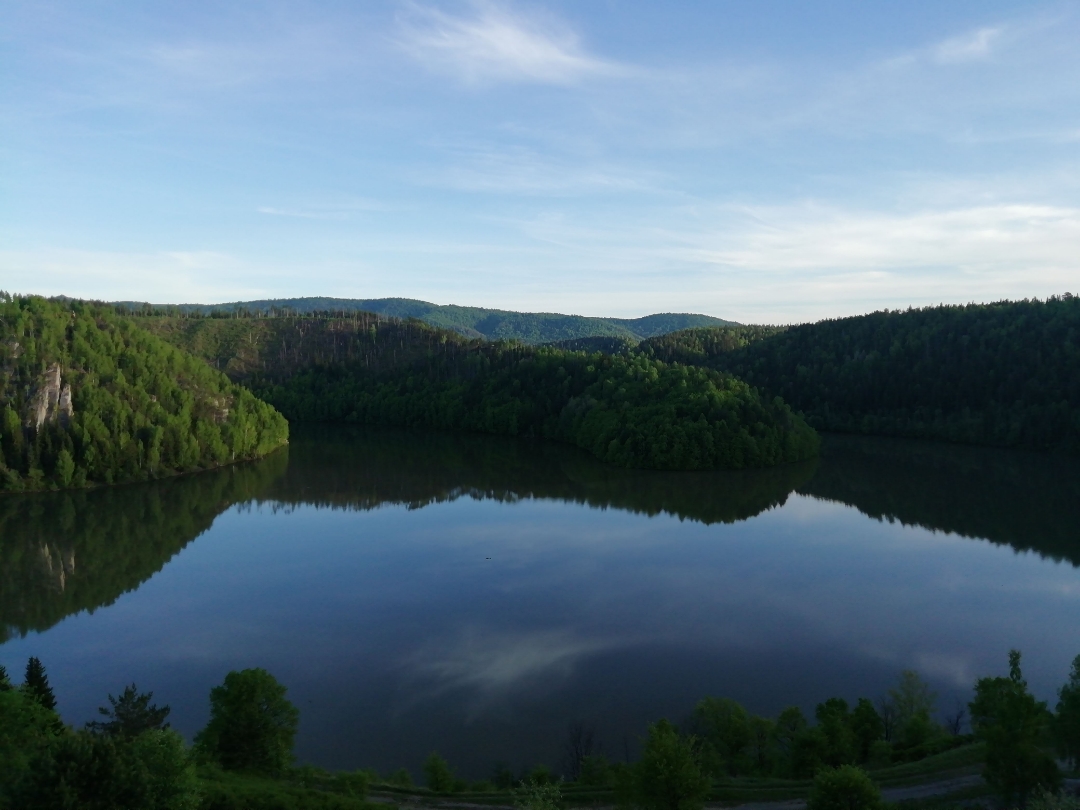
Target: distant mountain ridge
[{"x": 474, "y": 322}]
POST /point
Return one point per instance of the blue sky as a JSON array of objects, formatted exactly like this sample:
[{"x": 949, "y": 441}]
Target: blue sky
[{"x": 761, "y": 161}]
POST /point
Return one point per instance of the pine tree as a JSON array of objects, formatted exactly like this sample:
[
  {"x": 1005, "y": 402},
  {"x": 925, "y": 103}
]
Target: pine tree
[
  {"x": 5, "y": 681},
  {"x": 131, "y": 714},
  {"x": 36, "y": 684}
]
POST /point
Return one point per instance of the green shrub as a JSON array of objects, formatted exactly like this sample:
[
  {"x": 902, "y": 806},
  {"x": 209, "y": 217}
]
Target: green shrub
[
  {"x": 438, "y": 774},
  {"x": 844, "y": 788},
  {"x": 530, "y": 795}
]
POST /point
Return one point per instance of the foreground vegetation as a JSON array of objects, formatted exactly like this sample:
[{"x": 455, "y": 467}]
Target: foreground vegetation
[
  {"x": 998, "y": 374},
  {"x": 87, "y": 398},
  {"x": 129, "y": 758}
]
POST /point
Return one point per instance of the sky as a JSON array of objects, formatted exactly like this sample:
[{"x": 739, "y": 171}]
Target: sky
[{"x": 763, "y": 161}]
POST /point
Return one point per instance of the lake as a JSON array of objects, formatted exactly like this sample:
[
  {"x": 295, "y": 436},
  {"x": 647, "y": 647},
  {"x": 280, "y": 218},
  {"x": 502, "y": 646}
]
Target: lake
[{"x": 476, "y": 595}]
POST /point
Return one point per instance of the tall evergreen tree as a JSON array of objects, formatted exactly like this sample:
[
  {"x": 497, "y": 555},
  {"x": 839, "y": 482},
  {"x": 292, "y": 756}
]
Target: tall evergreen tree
[
  {"x": 5, "y": 681},
  {"x": 37, "y": 684},
  {"x": 130, "y": 715}
]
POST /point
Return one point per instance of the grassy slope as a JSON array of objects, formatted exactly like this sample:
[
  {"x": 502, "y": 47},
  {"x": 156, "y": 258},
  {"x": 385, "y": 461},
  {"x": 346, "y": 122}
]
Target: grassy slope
[{"x": 478, "y": 322}]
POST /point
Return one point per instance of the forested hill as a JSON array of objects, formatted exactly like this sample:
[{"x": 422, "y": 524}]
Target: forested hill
[
  {"x": 473, "y": 322},
  {"x": 629, "y": 411},
  {"x": 86, "y": 397},
  {"x": 1000, "y": 374},
  {"x": 272, "y": 349}
]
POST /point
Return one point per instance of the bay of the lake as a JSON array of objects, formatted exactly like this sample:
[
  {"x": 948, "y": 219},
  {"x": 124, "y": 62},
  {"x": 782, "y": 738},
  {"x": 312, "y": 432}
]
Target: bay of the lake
[{"x": 476, "y": 596}]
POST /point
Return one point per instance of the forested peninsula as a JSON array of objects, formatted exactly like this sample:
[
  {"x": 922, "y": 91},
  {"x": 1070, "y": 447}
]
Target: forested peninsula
[
  {"x": 87, "y": 398},
  {"x": 627, "y": 410}
]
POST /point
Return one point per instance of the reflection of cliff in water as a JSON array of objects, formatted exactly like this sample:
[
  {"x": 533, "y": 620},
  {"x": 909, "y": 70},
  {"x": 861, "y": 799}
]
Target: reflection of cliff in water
[
  {"x": 64, "y": 552},
  {"x": 364, "y": 468},
  {"x": 61, "y": 553},
  {"x": 1030, "y": 501}
]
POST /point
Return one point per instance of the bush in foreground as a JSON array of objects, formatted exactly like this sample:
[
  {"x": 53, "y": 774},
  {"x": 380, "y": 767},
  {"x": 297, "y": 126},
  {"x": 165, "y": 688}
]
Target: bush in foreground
[{"x": 844, "y": 788}]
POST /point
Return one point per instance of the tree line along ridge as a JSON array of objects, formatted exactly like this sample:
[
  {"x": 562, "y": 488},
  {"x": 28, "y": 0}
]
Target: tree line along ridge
[{"x": 95, "y": 394}]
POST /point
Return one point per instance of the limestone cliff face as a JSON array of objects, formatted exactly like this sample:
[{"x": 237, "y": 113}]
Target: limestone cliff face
[
  {"x": 49, "y": 401},
  {"x": 57, "y": 564}
]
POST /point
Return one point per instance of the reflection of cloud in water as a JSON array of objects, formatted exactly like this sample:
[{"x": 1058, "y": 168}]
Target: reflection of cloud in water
[
  {"x": 949, "y": 667},
  {"x": 492, "y": 665}
]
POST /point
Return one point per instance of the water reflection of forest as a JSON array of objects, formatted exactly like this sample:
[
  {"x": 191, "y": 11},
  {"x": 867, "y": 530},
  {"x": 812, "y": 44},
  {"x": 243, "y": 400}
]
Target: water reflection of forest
[
  {"x": 65, "y": 552},
  {"x": 61, "y": 553},
  {"x": 1028, "y": 500},
  {"x": 362, "y": 468}
]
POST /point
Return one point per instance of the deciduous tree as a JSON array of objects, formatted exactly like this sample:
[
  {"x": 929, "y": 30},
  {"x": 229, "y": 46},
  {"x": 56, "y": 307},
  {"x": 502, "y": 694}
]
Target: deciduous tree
[{"x": 252, "y": 724}]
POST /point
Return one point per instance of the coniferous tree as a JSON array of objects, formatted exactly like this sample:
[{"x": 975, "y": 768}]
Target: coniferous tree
[
  {"x": 5, "y": 681},
  {"x": 37, "y": 684},
  {"x": 131, "y": 714}
]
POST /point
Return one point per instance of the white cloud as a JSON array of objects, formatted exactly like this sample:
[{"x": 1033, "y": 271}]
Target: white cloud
[
  {"x": 520, "y": 170},
  {"x": 159, "y": 277},
  {"x": 1004, "y": 238},
  {"x": 497, "y": 44},
  {"x": 490, "y": 665},
  {"x": 974, "y": 45},
  {"x": 335, "y": 211}
]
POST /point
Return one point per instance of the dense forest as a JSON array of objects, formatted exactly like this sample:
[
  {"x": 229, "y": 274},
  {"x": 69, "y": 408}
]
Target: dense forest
[
  {"x": 628, "y": 411},
  {"x": 86, "y": 397},
  {"x": 472, "y": 322},
  {"x": 272, "y": 349},
  {"x": 998, "y": 374}
]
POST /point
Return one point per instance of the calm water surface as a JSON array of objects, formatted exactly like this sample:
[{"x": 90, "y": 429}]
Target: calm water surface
[{"x": 475, "y": 595}]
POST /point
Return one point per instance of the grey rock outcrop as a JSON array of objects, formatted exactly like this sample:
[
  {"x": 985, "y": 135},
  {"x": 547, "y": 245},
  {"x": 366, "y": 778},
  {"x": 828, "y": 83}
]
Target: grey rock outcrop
[{"x": 49, "y": 401}]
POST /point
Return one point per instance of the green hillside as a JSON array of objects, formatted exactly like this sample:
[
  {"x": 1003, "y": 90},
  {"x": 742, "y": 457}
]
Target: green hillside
[
  {"x": 473, "y": 322},
  {"x": 998, "y": 374},
  {"x": 272, "y": 349},
  {"x": 86, "y": 397},
  {"x": 628, "y": 411}
]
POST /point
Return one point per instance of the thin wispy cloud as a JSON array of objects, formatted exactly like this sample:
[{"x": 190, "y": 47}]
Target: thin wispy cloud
[
  {"x": 329, "y": 211},
  {"x": 975, "y": 45},
  {"x": 268, "y": 151},
  {"x": 1015, "y": 238},
  {"x": 178, "y": 275},
  {"x": 521, "y": 170},
  {"x": 498, "y": 44}
]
